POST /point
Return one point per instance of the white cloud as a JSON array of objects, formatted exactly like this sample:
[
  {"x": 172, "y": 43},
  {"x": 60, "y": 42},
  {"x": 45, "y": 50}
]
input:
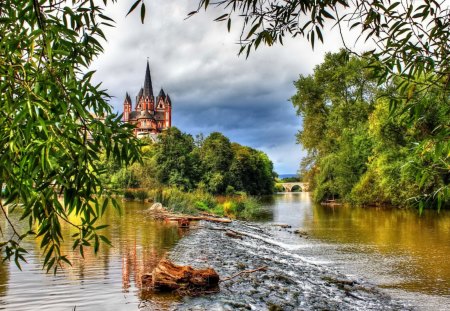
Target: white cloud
[{"x": 196, "y": 62}]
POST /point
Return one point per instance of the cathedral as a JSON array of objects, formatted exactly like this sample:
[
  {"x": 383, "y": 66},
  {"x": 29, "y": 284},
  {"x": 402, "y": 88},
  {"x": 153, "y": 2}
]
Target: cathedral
[{"x": 150, "y": 115}]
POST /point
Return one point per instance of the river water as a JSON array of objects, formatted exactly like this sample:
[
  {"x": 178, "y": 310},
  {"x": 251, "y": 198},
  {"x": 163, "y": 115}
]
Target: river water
[
  {"x": 405, "y": 254},
  {"x": 398, "y": 250}
]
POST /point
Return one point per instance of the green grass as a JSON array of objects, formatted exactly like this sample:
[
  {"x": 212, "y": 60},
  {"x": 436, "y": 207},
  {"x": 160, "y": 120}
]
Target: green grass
[{"x": 238, "y": 205}]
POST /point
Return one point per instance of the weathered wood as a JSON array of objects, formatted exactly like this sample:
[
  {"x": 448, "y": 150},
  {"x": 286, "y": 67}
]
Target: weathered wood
[
  {"x": 211, "y": 219},
  {"x": 284, "y": 226},
  {"x": 157, "y": 211},
  {"x": 170, "y": 277},
  {"x": 264, "y": 268},
  {"x": 233, "y": 234}
]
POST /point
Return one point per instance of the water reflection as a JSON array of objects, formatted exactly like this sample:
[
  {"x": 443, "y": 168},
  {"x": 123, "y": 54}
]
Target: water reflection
[
  {"x": 110, "y": 280},
  {"x": 423, "y": 242},
  {"x": 395, "y": 248},
  {"x": 392, "y": 248}
]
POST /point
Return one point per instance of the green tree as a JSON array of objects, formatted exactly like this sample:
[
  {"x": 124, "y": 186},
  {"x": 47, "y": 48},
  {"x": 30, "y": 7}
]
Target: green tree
[
  {"x": 366, "y": 154},
  {"x": 405, "y": 168},
  {"x": 216, "y": 156},
  {"x": 54, "y": 124},
  {"x": 251, "y": 171},
  {"x": 335, "y": 103},
  {"x": 176, "y": 162}
]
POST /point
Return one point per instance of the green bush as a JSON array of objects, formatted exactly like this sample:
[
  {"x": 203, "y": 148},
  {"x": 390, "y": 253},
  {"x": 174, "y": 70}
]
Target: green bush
[
  {"x": 278, "y": 188},
  {"x": 129, "y": 194},
  {"x": 251, "y": 209},
  {"x": 141, "y": 195},
  {"x": 230, "y": 190}
]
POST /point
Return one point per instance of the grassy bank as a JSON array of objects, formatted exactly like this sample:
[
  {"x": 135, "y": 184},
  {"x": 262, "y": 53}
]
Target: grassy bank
[{"x": 237, "y": 205}]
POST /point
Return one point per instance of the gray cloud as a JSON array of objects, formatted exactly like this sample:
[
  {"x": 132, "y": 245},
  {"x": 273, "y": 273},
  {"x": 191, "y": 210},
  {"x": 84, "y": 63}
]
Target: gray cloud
[{"x": 212, "y": 89}]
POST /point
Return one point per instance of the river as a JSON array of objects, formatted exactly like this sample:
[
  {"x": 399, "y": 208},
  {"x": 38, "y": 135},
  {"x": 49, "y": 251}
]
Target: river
[{"x": 403, "y": 253}]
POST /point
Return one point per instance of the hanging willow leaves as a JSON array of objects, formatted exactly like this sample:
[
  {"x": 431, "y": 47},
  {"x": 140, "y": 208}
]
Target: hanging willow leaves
[
  {"x": 412, "y": 50},
  {"x": 54, "y": 124}
]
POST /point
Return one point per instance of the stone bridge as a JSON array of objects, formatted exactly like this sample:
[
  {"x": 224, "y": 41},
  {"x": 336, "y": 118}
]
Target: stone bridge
[{"x": 288, "y": 186}]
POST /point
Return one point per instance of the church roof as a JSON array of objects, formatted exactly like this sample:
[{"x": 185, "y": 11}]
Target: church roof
[
  {"x": 148, "y": 88},
  {"x": 127, "y": 98},
  {"x": 134, "y": 115},
  {"x": 169, "y": 100},
  {"x": 159, "y": 116},
  {"x": 144, "y": 114},
  {"x": 162, "y": 94}
]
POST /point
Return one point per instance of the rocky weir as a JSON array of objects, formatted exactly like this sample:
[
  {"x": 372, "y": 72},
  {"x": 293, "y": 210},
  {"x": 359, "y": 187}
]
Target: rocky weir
[{"x": 258, "y": 271}]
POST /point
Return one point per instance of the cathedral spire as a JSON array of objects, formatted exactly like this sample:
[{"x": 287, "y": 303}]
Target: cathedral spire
[{"x": 148, "y": 89}]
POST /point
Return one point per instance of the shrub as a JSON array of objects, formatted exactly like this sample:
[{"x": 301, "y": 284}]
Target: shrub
[
  {"x": 141, "y": 195},
  {"x": 129, "y": 194}
]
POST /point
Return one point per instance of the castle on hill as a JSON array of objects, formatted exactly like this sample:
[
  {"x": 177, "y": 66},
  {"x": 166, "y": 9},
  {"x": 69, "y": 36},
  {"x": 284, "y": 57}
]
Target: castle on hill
[{"x": 150, "y": 115}]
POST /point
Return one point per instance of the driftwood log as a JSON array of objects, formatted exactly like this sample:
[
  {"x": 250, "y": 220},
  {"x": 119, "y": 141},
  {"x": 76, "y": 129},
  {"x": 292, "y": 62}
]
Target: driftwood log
[
  {"x": 190, "y": 218},
  {"x": 157, "y": 211},
  {"x": 167, "y": 277}
]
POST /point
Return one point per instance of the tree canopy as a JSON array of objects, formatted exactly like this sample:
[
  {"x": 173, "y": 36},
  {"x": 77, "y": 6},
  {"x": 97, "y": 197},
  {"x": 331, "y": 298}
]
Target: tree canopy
[
  {"x": 357, "y": 151},
  {"x": 54, "y": 124},
  {"x": 212, "y": 164}
]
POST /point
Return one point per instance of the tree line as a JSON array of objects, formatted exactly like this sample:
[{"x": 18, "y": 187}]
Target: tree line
[
  {"x": 359, "y": 149},
  {"x": 213, "y": 164}
]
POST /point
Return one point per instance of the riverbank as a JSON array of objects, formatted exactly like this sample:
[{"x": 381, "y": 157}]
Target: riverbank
[
  {"x": 289, "y": 283},
  {"x": 237, "y": 205}
]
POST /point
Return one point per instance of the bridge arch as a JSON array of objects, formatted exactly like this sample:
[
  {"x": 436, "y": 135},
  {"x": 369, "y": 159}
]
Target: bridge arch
[
  {"x": 296, "y": 188},
  {"x": 289, "y": 186}
]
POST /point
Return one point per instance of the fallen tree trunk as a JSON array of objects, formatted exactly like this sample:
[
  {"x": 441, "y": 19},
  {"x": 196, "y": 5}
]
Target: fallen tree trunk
[
  {"x": 157, "y": 211},
  {"x": 211, "y": 219},
  {"x": 170, "y": 277}
]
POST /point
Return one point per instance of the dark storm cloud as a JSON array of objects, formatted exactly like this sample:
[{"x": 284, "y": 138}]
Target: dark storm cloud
[{"x": 212, "y": 89}]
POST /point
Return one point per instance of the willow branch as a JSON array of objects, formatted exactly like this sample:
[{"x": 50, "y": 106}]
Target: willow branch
[{"x": 9, "y": 221}]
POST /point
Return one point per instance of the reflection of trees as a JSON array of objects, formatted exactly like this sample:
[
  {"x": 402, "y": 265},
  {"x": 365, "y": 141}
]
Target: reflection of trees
[
  {"x": 4, "y": 268},
  {"x": 135, "y": 264},
  {"x": 4, "y": 277},
  {"x": 424, "y": 240},
  {"x": 138, "y": 245}
]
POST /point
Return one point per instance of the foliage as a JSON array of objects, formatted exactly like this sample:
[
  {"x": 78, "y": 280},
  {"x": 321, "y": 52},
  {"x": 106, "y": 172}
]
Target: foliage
[
  {"x": 367, "y": 155},
  {"x": 251, "y": 171},
  {"x": 278, "y": 187},
  {"x": 213, "y": 164},
  {"x": 176, "y": 164},
  {"x": 290, "y": 179},
  {"x": 216, "y": 156},
  {"x": 411, "y": 53},
  {"x": 235, "y": 206},
  {"x": 411, "y": 38},
  {"x": 55, "y": 123},
  {"x": 335, "y": 103}
]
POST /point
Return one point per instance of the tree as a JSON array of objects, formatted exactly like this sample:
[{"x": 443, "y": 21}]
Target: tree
[
  {"x": 365, "y": 155},
  {"x": 216, "y": 156},
  {"x": 411, "y": 51},
  {"x": 54, "y": 124},
  {"x": 411, "y": 38},
  {"x": 177, "y": 163},
  {"x": 335, "y": 103},
  {"x": 251, "y": 171}
]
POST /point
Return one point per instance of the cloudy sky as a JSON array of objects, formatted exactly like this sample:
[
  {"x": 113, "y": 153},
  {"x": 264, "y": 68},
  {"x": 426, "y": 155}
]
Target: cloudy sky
[{"x": 212, "y": 89}]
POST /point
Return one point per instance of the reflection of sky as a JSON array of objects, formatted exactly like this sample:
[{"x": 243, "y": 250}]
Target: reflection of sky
[{"x": 293, "y": 208}]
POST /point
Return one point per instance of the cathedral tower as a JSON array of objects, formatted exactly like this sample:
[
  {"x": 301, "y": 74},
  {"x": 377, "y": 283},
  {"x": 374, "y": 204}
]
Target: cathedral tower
[{"x": 151, "y": 115}]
